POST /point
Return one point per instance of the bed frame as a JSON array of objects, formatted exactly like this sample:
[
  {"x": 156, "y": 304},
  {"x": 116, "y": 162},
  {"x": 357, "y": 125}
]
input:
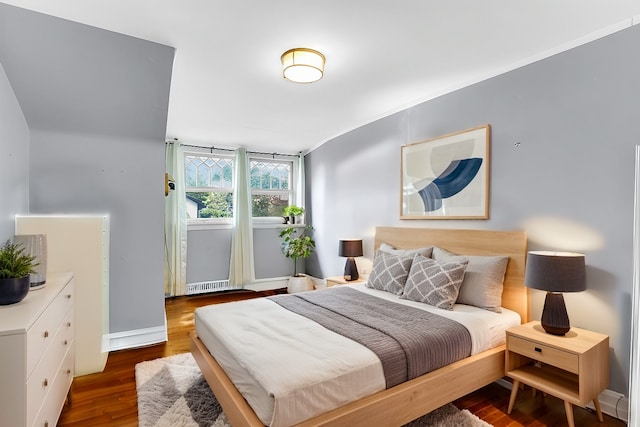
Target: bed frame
[{"x": 400, "y": 404}]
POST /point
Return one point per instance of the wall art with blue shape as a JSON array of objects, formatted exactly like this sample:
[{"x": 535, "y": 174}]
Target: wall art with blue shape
[{"x": 447, "y": 177}]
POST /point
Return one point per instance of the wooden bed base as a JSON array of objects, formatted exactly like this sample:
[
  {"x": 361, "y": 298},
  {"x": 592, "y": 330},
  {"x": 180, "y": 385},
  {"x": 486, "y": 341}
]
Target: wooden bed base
[
  {"x": 408, "y": 401},
  {"x": 392, "y": 407}
]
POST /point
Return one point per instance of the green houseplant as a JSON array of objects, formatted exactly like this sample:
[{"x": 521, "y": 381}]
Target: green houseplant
[
  {"x": 15, "y": 268},
  {"x": 297, "y": 244},
  {"x": 292, "y": 212}
]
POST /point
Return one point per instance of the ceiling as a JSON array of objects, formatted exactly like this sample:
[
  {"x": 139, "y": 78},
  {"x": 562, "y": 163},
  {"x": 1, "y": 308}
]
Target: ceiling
[{"x": 227, "y": 88}]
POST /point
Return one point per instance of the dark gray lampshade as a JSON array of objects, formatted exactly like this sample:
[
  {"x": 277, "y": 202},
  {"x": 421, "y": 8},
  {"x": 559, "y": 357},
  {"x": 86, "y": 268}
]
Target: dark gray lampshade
[
  {"x": 555, "y": 271},
  {"x": 350, "y": 248}
]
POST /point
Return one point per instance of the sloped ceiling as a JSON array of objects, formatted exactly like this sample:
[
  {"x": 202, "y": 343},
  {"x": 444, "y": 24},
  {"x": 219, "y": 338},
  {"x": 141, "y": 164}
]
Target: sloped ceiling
[
  {"x": 382, "y": 56},
  {"x": 70, "y": 77}
]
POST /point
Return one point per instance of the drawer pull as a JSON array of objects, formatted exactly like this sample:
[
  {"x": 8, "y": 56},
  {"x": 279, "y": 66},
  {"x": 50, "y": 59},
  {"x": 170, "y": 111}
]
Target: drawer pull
[
  {"x": 68, "y": 296},
  {"x": 538, "y": 349},
  {"x": 68, "y": 324},
  {"x": 68, "y": 371},
  {"x": 46, "y": 334},
  {"x": 65, "y": 342},
  {"x": 45, "y": 383},
  {"x": 46, "y": 424}
]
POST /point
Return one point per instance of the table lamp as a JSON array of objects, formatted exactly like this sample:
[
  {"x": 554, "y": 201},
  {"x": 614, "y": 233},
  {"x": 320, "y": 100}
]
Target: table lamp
[
  {"x": 555, "y": 272},
  {"x": 350, "y": 249}
]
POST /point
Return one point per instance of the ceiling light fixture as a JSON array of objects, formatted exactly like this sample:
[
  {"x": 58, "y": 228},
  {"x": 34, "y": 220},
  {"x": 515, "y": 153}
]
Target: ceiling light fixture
[{"x": 302, "y": 65}]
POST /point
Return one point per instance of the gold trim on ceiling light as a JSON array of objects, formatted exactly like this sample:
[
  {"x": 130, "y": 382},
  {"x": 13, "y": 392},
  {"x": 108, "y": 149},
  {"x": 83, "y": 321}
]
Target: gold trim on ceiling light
[{"x": 302, "y": 65}]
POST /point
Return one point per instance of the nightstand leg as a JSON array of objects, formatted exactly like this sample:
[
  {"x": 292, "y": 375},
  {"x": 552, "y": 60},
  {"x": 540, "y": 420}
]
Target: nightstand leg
[
  {"x": 514, "y": 392},
  {"x": 569, "y": 410},
  {"x": 596, "y": 403}
]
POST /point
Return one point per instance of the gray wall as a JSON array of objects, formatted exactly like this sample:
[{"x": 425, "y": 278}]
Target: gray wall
[
  {"x": 96, "y": 106},
  {"x": 568, "y": 184},
  {"x": 14, "y": 159},
  {"x": 209, "y": 251},
  {"x": 124, "y": 177}
]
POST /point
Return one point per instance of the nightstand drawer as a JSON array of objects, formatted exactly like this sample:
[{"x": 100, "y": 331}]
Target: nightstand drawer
[{"x": 543, "y": 353}]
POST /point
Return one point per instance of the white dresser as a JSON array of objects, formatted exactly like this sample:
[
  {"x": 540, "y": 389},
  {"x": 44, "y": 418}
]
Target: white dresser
[{"x": 37, "y": 354}]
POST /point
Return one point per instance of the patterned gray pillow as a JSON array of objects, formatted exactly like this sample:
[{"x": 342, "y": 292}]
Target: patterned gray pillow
[
  {"x": 389, "y": 272},
  {"x": 435, "y": 283}
]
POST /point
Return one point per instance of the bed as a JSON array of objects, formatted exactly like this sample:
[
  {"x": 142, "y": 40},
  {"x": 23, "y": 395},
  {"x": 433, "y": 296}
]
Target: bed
[{"x": 409, "y": 400}]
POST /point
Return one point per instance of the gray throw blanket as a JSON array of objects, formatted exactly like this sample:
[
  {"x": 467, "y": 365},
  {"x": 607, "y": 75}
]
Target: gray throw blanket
[{"x": 409, "y": 342}]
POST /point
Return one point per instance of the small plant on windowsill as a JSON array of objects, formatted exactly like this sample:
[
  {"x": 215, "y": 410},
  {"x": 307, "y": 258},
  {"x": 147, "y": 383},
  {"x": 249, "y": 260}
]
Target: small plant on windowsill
[
  {"x": 291, "y": 212},
  {"x": 297, "y": 244}
]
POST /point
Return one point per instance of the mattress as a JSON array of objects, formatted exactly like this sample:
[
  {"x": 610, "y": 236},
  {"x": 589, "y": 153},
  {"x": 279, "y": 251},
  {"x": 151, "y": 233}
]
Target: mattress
[{"x": 311, "y": 370}]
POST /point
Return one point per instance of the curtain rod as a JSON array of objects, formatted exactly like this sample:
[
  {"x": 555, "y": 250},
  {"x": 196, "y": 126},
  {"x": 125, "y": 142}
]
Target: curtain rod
[{"x": 232, "y": 150}]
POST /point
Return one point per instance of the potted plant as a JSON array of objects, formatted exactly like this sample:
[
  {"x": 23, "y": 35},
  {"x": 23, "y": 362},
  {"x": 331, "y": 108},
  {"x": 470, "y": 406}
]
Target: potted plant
[
  {"x": 297, "y": 244},
  {"x": 292, "y": 212},
  {"x": 15, "y": 268}
]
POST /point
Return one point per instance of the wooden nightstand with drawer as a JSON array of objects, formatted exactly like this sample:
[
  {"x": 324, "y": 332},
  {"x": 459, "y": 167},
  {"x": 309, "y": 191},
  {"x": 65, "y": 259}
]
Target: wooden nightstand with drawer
[
  {"x": 339, "y": 280},
  {"x": 573, "y": 367}
]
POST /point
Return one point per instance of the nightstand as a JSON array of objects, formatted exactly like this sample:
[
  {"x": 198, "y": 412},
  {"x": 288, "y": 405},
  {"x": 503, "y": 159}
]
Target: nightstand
[
  {"x": 339, "y": 280},
  {"x": 573, "y": 367}
]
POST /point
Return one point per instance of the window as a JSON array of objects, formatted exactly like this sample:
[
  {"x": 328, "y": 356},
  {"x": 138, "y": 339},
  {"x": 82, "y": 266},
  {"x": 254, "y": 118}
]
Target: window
[
  {"x": 271, "y": 187},
  {"x": 209, "y": 186}
]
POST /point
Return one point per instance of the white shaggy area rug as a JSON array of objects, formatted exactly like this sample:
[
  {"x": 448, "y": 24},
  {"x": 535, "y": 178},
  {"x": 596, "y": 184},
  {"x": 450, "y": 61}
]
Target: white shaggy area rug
[{"x": 172, "y": 392}]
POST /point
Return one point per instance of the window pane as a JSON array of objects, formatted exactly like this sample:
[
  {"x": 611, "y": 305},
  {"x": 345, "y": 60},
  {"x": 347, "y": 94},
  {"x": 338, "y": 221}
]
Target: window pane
[
  {"x": 190, "y": 174},
  {"x": 269, "y": 204},
  {"x": 227, "y": 174},
  {"x": 202, "y": 175},
  {"x": 215, "y": 204},
  {"x": 270, "y": 175},
  {"x": 208, "y": 171}
]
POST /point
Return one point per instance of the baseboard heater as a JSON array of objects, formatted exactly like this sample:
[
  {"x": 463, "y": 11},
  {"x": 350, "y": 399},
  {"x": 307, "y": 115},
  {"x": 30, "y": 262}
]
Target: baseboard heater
[{"x": 210, "y": 286}]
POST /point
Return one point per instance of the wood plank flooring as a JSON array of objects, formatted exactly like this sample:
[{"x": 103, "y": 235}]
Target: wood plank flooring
[{"x": 109, "y": 398}]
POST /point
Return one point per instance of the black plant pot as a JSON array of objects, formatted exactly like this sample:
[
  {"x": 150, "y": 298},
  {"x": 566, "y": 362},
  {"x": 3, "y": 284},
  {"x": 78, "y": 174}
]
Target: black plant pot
[{"x": 13, "y": 290}]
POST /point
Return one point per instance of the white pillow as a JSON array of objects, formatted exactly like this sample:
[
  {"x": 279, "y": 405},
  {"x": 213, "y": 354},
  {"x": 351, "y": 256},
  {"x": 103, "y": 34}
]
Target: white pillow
[
  {"x": 426, "y": 251},
  {"x": 483, "y": 279}
]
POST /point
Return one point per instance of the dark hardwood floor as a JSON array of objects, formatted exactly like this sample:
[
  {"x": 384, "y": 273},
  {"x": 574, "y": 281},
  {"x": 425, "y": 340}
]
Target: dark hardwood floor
[{"x": 109, "y": 398}]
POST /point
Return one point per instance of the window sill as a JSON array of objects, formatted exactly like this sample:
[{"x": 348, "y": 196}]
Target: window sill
[
  {"x": 228, "y": 225},
  {"x": 263, "y": 225}
]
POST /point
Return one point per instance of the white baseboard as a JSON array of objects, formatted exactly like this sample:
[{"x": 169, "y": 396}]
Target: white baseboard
[
  {"x": 138, "y": 337},
  {"x": 612, "y": 403}
]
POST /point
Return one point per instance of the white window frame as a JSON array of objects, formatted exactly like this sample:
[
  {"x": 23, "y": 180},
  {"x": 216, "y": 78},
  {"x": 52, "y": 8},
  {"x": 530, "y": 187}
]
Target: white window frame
[
  {"x": 258, "y": 222},
  {"x": 291, "y": 192},
  {"x": 196, "y": 223}
]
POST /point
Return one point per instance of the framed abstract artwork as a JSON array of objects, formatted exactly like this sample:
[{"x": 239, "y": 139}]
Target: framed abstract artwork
[{"x": 446, "y": 177}]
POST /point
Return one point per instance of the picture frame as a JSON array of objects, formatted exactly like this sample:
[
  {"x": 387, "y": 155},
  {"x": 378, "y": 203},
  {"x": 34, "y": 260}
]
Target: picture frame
[{"x": 446, "y": 177}]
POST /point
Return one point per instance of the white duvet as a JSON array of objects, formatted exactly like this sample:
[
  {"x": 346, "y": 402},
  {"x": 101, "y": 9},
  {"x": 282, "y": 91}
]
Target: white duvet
[{"x": 290, "y": 368}]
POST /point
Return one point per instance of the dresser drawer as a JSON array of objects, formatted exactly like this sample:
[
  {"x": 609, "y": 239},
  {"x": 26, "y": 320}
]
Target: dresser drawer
[
  {"x": 543, "y": 353},
  {"x": 41, "y": 333},
  {"x": 40, "y": 383},
  {"x": 52, "y": 406}
]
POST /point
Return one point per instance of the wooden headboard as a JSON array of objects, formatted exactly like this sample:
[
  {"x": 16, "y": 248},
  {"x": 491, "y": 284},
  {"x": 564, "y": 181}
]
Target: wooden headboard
[{"x": 472, "y": 242}]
